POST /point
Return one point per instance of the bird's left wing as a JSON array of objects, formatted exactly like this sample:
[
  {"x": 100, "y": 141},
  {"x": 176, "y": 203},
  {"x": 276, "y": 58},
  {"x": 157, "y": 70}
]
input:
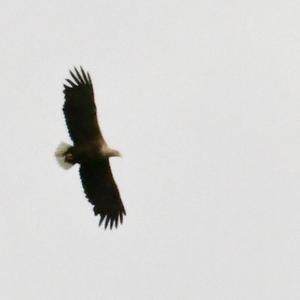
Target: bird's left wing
[
  {"x": 102, "y": 192},
  {"x": 80, "y": 108}
]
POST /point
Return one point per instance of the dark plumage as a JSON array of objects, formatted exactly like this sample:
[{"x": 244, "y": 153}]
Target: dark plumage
[{"x": 89, "y": 150}]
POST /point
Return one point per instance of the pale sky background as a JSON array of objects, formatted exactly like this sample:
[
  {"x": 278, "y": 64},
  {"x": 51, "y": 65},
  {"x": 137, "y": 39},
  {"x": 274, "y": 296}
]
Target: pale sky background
[{"x": 203, "y": 100}]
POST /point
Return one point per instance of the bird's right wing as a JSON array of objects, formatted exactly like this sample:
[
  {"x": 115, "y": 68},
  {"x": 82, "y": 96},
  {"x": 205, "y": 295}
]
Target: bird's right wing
[
  {"x": 102, "y": 192},
  {"x": 80, "y": 109}
]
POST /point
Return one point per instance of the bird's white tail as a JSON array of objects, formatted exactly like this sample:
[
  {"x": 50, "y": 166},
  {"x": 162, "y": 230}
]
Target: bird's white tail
[{"x": 60, "y": 155}]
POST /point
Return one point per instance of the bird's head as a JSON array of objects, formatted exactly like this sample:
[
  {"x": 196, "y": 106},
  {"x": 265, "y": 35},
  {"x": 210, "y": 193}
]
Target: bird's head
[
  {"x": 114, "y": 153},
  {"x": 109, "y": 152}
]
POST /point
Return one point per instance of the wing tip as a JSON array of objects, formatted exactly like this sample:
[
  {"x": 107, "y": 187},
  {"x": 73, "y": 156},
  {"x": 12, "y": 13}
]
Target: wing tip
[
  {"x": 79, "y": 77},
  {"x": 111, "y": 220}
]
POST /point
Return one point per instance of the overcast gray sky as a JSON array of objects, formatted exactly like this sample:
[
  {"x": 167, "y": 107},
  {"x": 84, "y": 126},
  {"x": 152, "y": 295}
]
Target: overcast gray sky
[{"x": 203, "y": 100}]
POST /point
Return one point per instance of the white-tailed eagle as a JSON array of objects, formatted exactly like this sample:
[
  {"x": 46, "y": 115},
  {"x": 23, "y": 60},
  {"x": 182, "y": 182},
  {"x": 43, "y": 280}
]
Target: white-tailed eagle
[{"x": 89, "y": 150}]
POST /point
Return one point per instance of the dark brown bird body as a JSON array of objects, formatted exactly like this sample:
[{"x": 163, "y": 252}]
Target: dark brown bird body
[{"x": 90, "y": 150}]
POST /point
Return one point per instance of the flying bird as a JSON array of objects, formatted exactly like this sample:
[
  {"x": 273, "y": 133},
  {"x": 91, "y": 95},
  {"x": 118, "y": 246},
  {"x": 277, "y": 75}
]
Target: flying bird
[{"x": 89, "y": 149}]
